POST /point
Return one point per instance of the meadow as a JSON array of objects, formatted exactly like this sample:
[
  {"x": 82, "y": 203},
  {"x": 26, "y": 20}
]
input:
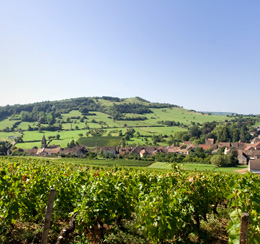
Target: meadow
[
  {"x": 74, "y": 125},
  {"x": 100, "y": 141},
  {"x": 198, "y": 167},
  {"x": 7, "y": 123}
]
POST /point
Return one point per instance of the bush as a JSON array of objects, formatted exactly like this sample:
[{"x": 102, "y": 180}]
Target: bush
[{"x": 218, "y": 160}]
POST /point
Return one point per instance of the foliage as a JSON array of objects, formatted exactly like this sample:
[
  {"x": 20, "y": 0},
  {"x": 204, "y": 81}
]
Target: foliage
[
  {"x": 130, "y": 108},
  {"x": 162, "y": 207},
  {"x": 218, "y": 160},
  {"x": 4, "y": 147}
]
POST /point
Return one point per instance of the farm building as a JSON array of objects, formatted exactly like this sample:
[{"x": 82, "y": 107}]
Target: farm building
[{"x": 254, "y": 166}]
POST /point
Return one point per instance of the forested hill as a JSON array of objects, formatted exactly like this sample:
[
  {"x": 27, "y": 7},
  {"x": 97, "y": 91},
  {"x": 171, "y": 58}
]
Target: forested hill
[
  {"x": 109, "y": 121},
  {"x": 47, "y": 111}
]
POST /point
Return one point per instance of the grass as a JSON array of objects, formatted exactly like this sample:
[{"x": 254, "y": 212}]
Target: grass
[
  {"x": 104, "y": 117},
  {"x": 115, "y": 131},
  {"x": 33, "y": 138},
  {"x": 100, "y": 141},
  {"x": 147, "y": 127},
  {"x": 257, "y": 124},
  {"x": 73, "y": 113},
  {"x": 183, "y": 116},
  {"x": 197, "y": 167},
  {"x": 24, "y": 125},
  {"x": 159, "y": 130},
  {"x": 133, "y": 163},
  {"x": 172, "y": 114},
  {"x": 80, "y": 161},
  {"x": 7, "y": 123},
  {"x": 106, "y": 162},
  {"x": 9, "y": 136}
]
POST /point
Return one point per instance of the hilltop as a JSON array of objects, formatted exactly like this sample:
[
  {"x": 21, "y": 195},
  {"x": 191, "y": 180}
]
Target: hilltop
[{"x": 100, "y": 121}]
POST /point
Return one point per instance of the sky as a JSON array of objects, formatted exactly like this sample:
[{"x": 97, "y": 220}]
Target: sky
[{"x": 199, "y": 54}]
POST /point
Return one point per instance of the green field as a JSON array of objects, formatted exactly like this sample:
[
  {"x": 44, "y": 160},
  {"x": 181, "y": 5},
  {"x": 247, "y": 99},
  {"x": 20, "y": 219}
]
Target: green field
[
  {"x": 183, "y": 116},
  {"x": 104, "y": 117},
  {"x": 9, "y": 136},
  {"x": 257, "y": 124},
  {"x": 24, "y": 125},
  {"x": 74, "y": 124},
  {"x": 197, "y": 167},
  {"x": 33, "y": 138},
  {"x": 164, "y": 130},
  {"x": 7, "y": 123},
  {"x": 100, "y": 141},
  {"x": 106, "y": 162}
]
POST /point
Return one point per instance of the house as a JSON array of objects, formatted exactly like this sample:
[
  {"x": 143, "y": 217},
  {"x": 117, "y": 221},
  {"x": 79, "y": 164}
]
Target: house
[
  {"x": 209, "y": 141},
  {"x": 239, "y": 145},
  {"x": 187, "y": 142},
  {"x": 255, "y": 140},
  {"x": 257, "y": 146},
  {"x": 151, "y": 150},
  {"x": 226, "y": 151},
  {"x": 163, "y": 149},
  {"x": 250, "y": 148},
  {"x": 137, "y": 150},
  {"x": 74, "y": 151},
  {"x": 31, "y": 152},
  {"x": 173, "y": 149},
  {"x": 179, "y": 150},
  {"x": 253, "y": 154},
  {"x": 206, "y": 147},
  {"x": 143, "y": 153},
  {"x": 109, "y": 150},
  {"x": 224, "y": 144},
  {"x": 254, "y": 166},
  {"x": 243, "y": 159},
  {"x": 124, "y": 150},
  {"x": 48, "y": 151}
]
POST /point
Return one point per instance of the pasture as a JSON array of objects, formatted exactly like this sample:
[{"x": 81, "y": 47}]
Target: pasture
[
  {"x": 73, "y": 125},
  {"x": 100, "y": 141},
  {"x": 197, "y": 167},
  {"x": 7, "y": 123}
]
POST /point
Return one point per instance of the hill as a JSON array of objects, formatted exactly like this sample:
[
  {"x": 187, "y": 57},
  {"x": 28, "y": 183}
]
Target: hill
[{"x": 133, "y": 121}]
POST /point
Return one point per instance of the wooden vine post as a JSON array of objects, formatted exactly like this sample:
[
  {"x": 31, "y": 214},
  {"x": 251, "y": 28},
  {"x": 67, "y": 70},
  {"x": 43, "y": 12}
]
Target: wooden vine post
[
  {"x": 48, "y": 214},
  {"x": 243, "y": 235}
]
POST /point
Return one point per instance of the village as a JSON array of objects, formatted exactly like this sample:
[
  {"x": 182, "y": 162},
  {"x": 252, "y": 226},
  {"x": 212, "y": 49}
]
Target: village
[{"x": 247, "y": 153}]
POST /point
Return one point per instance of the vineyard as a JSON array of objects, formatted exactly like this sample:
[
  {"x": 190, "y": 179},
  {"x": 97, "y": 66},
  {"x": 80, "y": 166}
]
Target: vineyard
[{"x": 124, "y": 205}]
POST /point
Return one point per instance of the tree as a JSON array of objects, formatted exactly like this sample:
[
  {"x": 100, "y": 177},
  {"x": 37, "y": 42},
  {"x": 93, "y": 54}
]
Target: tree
[
  {"x": 4, "y": 147},
  {"x": 218, "y": 160},
  {"x": 83, "y": 110},
  {"x": 232, "y": 157},
  {"x": 235, "y": 135},
  {"x": 194, "y": 131}
]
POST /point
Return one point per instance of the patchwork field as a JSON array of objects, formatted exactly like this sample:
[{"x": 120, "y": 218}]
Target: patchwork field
[{"x": 74, "y": 125}]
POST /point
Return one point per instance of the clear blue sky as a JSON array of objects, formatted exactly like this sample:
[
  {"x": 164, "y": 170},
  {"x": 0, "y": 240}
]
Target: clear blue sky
[{"x": 199, "y": 54}]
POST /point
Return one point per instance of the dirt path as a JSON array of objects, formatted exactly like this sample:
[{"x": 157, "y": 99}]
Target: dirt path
[{"x": 241, "y": 171}]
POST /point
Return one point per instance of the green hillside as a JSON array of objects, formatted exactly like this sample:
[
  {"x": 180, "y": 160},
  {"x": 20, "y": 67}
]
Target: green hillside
[{"x": 86, "y": 120}]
